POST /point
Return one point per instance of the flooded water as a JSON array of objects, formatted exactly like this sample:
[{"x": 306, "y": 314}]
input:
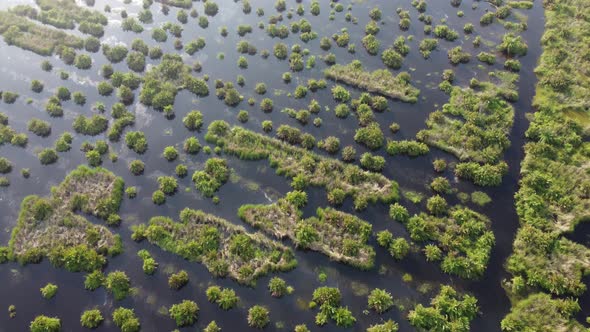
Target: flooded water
[{"x": 257, "y": 181}]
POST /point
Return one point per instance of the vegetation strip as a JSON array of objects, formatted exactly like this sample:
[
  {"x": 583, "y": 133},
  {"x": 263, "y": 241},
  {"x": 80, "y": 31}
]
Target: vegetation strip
[
  {"x": 341, "y": 236},
  {"x": 224, "y": 248},
  {"x": 380, "y": 81},
  {"x": 554, "y": 194},
  {"x": 292, "y": 161}
]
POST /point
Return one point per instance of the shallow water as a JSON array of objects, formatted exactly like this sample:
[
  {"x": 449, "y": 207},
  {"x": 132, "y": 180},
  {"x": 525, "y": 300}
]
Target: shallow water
[{"x": 21, "y": 284}]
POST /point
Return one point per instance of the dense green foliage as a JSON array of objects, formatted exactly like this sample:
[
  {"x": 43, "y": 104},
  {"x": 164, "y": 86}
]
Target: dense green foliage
[
  {"x": 45, "y": 324},
  {"x": 184, "y": 313},
  {"x": 91, "y": 319},
  {"x": 162, "y": 82},
  {"x": 450, "y": 311},
  {"x": 212, "y": 177},
  {"x": 553, "y": 195},
  {"x": 474, "y": 126}
]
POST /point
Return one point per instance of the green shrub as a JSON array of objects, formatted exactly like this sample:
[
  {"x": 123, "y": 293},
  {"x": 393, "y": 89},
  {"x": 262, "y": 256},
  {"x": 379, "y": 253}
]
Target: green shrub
[
  {"x": 278, "y": 287},
  {"x": 92, "y": 126},
  {"x": 170, "y": 153},
  {"x": 47, "y": 156},
  {"x": 371, "y": 162},
  {"x": 212, "y": 326},
  {"x": 184, "y": 313},
  {"x": 410, "y": 148},
  {"x": 193, "y": 120},
  {"x": 126, "y": 320},
  {"x": 5, "y": 165},
  {"x": 94, "y": 280},
  {"x": 448, "y": 309},
  {"x": 39, "y": 127},
  {"x": 158, "y": 197},
  {"x": 437, "y": 205},
  {"x": 331, "y": 144},
  {"x": 441, "y": 185},
  {"x": 370, "y": 136},
  {"x": 167, "y": 184},
  {"x": 37, "y": 86},
  {"x": 45, "y": 324},
  {"x": 136, "y": 167},
  {"x": 258, "y": 317},
  {"x": 266, "y": 105},
  {"x": 214, "y": 175},
  {"x": 49, "y": 291},
  {"x": 380, "y": 300},
  {"x": 118, "y": 283},
  {"x": 399, "y": 248},
  {"x": 83, "y": 61},
  {"x": 387, "y": 326},
  {"x": 91, "y": 319},
  {"x": 178, "y": 280},
  {"x": 340, "y": 94},
  {"x": 136, "y": 141}
]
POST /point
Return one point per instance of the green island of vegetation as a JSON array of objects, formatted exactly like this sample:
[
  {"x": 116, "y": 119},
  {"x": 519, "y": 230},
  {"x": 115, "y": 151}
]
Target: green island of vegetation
[
  {"x": 315, "y": 170},
  {"x": 43, "y": 40},
  {"x": 554, "y": 194},
  {"x": 49, "y": 227},
  {"x": 461, "y": 240},
  {"x": 224, "y": 248},
  {"x": 64, "y": 14},
  {"x": 341, "y": 236},
  {"x": 162, "y": 82},
  {"x": 380, "y": 81},
  {"x": 474, "y": 126}
]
